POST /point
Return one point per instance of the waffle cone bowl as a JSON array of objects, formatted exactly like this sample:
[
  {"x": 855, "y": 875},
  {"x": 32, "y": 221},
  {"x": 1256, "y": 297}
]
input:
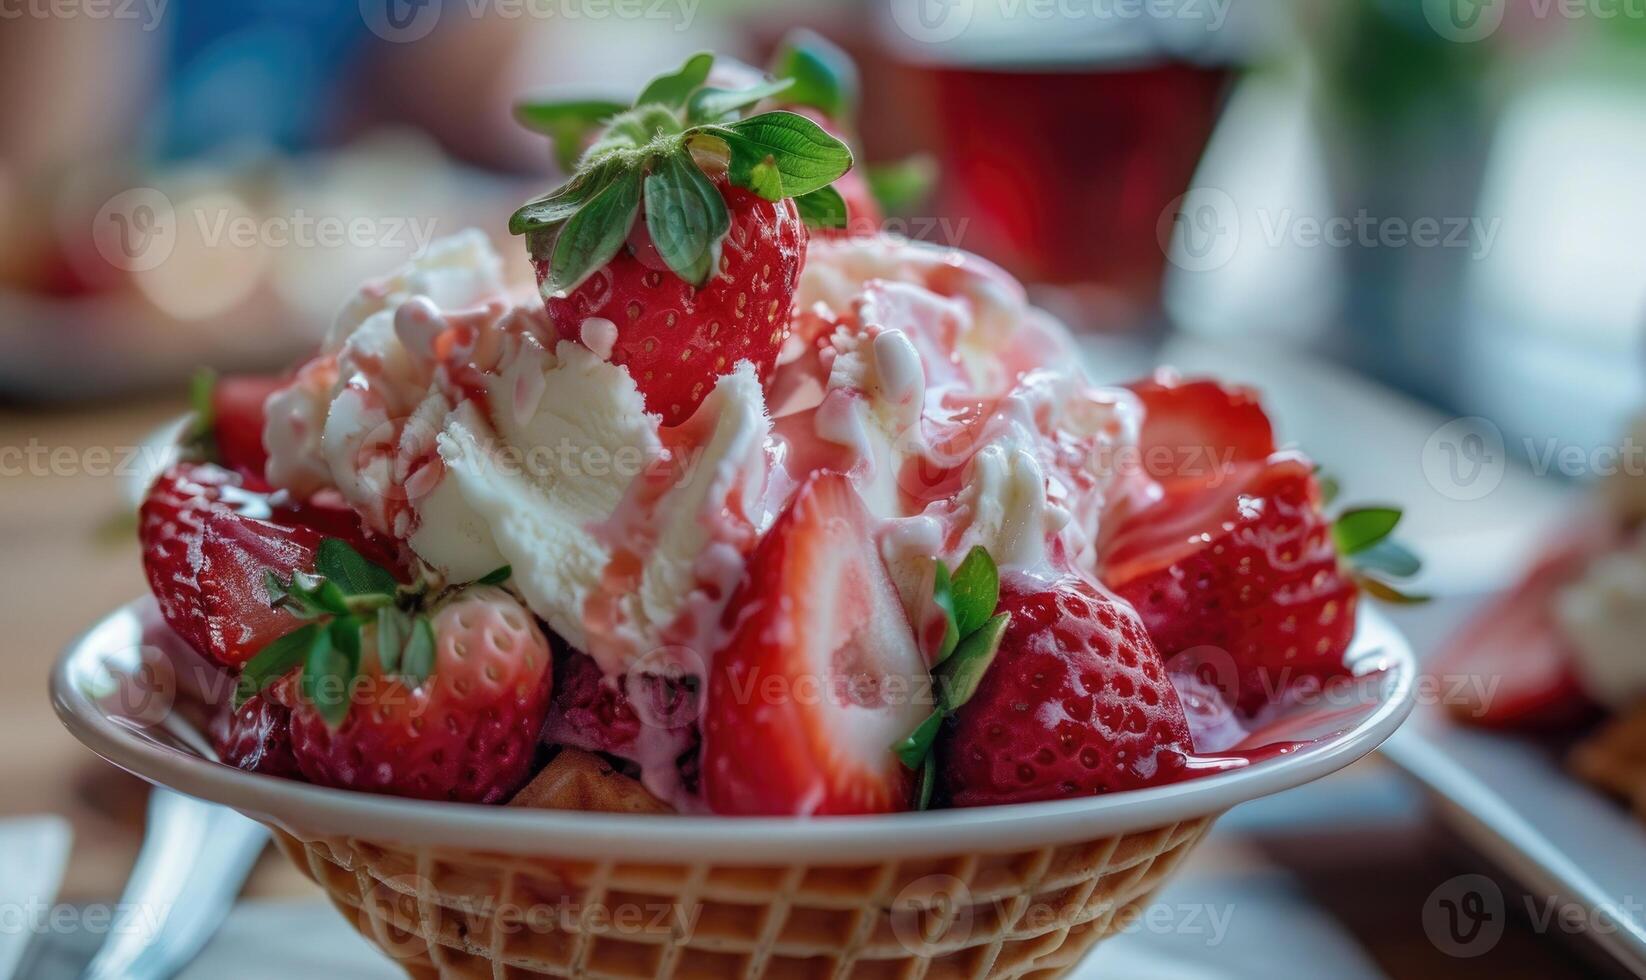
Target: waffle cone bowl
[
  {"x": 584, "y": 875},
  {"x": 458, "y": 914}
]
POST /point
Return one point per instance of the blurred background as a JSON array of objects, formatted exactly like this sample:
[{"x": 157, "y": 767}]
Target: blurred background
[{"x": 1418, "y": 223}]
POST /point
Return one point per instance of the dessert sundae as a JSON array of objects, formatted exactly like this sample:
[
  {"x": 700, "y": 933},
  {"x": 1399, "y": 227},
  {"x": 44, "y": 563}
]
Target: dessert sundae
[{"x": 742, "y": 508}]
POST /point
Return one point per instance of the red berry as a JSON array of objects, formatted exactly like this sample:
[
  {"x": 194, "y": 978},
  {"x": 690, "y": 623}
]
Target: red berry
[
  {"x": 208, "y": 537},
  {"x": 591, "y": 712},
  {"x": 821, "y": 675},
  {"x": 1076, "y": 703},
  {"x": 257, "y": 737},
  {"x": 1195, "y": 429},
  {"x": 237, "y": 421},
  {"x": 1247, "y": 566},
  {"x": 468, "y": 733},
  {"x": 676, "y": 339}
]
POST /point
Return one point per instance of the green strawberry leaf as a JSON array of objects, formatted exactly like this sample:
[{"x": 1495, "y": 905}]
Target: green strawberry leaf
[
  {"x": 202, "y": 429},
  {"x": 976, "y": 590},
  {"x": 780, "y": 154},
  {"x": 273, "y": 662},
  {"x": 686, "y": 216},
  {"x": 595, "y": 234},
  {"x": 559, "y": 205},
  {"x": 1359, "y": 529},
  {"x": 328, "y": 677},
  {"x": 943, "y": 597},
  {"x": 674, "y": 88},
  {"x": 928, "y": 784},
  {"x": 1390, "y": 558},
  {"x": 1330, "y": 489},
  {"x": 912, "y": 751},
  {"x": 715, "y": 104},
  {"x": 568, "y": 123},
  {"x": 497, "y": 577},
  {"x": 306, "y": 596},
  {"x": 823, "y": 208},
  {"x": 825, "y": 78},
  {"x": 961, "y": 674},
  {"x": 902, "y": 184},
  {"x": 393, "y": 630},
  {"x": 417, "y": 660},
  {"x": 337, "y": 560}
]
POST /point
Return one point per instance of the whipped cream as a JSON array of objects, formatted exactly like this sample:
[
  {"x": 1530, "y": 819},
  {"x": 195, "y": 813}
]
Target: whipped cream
[{"x": 447, "y": 413}]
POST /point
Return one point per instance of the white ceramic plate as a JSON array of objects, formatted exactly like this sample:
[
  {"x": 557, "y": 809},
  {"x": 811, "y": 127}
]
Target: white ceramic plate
[
  {"x": 96, "y": 693},
  {"x": 1512, "y": 799}
]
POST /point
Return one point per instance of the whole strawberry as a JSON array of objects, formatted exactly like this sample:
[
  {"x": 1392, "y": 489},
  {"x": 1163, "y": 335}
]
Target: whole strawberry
[
  {"x": 675, "y": 249},
  {"x": 457, "y": 718},
  {"x": 1076, "y": 702}
]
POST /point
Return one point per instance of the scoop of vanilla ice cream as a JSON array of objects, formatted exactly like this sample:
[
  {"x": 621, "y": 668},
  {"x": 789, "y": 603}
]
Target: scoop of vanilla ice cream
[{"x": 1603, "y": 616}]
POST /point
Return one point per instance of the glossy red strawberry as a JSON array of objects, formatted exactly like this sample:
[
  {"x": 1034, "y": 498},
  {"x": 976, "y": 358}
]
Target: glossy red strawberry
[
  {"x": 208, "y": 535},
  {"x": 1248, "y": 566},
  {"x": 256, "y": 737},
  {"x": 237, "y": 420},
  {"x": 1076, "y": 703},
  {"x": 819, "y": 678},
  {"x": 468, "y": 732},
  {"x": 677, "y": 339},
  {"x": 675, "y": 248},
  {"x": 1192, "y": 428}
]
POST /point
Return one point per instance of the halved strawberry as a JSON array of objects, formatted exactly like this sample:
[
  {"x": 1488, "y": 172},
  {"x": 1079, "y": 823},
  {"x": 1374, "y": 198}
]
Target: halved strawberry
[
  {"x": 1076, "y": 703},
  {"x": 1248, "y": 566},
  {"x": 1193, "y": 428},
  {"x": 675, "y": 249},
  {"x": 208, "y": 534},
  {"x": 1520, "y": 666},
  {"x": 821, "y": 675}
]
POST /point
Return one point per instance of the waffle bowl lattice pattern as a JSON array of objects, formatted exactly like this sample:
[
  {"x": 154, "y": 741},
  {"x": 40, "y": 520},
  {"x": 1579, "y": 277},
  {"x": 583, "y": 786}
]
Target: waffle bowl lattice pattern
[{"x": 459, "y": 915}]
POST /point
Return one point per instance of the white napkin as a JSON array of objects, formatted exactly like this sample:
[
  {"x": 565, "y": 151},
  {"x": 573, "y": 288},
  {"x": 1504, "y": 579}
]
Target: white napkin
[{"x": 33, "y": 853}]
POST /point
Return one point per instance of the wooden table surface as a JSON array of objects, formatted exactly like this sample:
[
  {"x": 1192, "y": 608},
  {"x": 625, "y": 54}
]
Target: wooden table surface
[{"x": 67, "y": 539}]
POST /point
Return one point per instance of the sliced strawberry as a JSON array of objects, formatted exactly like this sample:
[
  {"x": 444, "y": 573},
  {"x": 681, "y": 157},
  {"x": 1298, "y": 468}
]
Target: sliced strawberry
[
  {"x": 1192, "y": 429},
  {"x": 208, "y": 535},
  {"x": 1076, "y": 703},
  {"x": 1512, "y": 650},
  {"x": 256, "y": 737},
  {"x": 466, "y": 733},
  {"x": 818, "y": 679},
  {"x": 1247, "y": 566},
  {"x": 237, "y": 420}
]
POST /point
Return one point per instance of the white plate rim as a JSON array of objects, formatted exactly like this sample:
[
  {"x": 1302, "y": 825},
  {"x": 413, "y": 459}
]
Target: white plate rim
[{"x": 313, "y": 810}]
